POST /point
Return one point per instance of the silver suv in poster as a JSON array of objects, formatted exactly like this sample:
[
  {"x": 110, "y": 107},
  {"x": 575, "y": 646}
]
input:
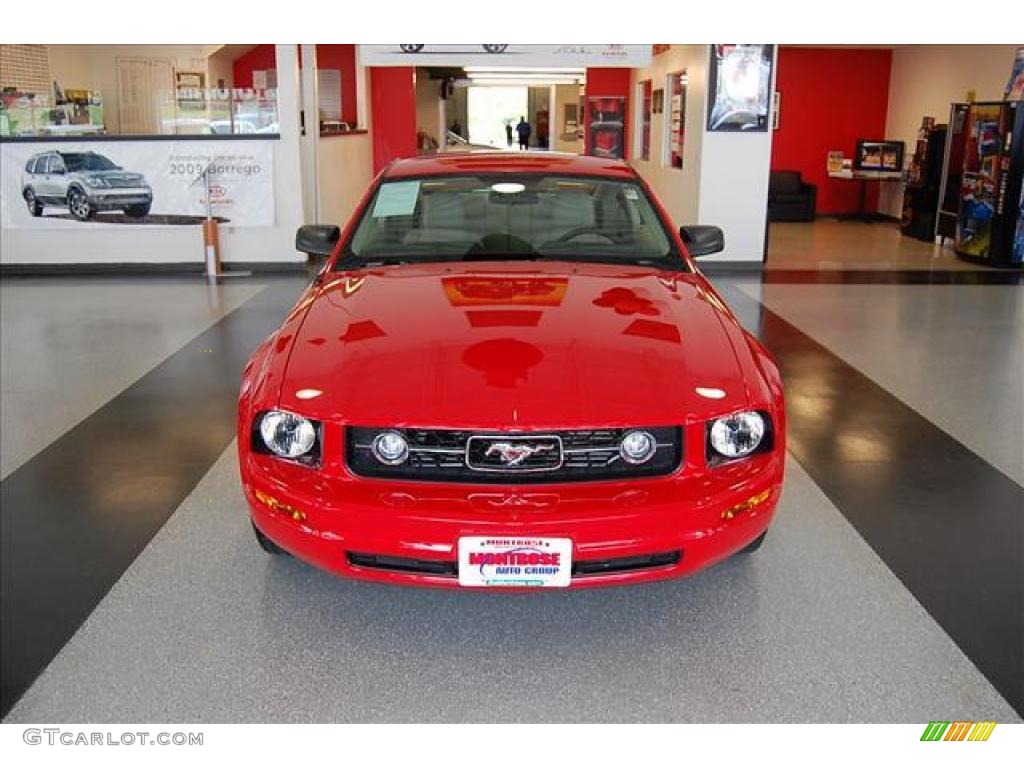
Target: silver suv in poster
[{"x": 84, "y": 182}]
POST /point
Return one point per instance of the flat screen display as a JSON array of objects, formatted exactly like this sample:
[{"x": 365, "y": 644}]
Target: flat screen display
[{"x": 878, "y": 156}]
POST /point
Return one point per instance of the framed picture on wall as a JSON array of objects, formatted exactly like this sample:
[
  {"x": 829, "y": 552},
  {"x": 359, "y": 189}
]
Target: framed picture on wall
[
  {"x": 570, "y": 120},
  {"x": 675, "y": 124},
  {"x": 658, "y": 101},
  {"x": 740, "y": 80},
  {"x": 188, "y": 87},
  {"x": 607, "y": 126}
]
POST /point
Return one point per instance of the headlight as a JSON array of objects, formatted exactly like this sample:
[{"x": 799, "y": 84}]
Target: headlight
[
  {"x": 637, "y": 446},
  {"x": 738, "y": 435},
  {"x": 390, "y": 448},
  {"x": 286, "y": 434},
  {"x": 96, "y": 181}
]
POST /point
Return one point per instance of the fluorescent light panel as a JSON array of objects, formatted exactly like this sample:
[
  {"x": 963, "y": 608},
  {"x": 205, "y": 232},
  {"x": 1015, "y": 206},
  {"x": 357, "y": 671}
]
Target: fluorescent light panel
[
  {"x": 520, "y": 70},
  {"x": 546, "y": 81}
]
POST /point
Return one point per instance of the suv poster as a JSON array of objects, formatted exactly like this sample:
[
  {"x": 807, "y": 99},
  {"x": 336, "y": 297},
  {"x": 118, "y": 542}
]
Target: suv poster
[{"x": 56, "y": 185}]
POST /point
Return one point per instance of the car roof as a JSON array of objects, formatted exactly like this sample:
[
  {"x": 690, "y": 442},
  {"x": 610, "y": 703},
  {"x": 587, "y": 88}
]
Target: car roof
[{"x": 449, "y": 163}]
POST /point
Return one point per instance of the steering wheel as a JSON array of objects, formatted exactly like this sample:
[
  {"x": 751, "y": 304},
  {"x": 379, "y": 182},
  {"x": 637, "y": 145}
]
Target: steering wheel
[{"x": 586, "y": 229}]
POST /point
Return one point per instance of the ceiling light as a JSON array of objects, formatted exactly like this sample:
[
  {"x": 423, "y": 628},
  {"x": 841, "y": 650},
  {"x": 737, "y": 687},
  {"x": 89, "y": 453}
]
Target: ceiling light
[{"x": 543, "y": 70}]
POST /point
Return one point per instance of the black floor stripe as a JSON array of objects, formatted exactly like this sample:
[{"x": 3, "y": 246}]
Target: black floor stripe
[
  {"x": 944, "y": 520},
  {"x": 76, "y": 515}
]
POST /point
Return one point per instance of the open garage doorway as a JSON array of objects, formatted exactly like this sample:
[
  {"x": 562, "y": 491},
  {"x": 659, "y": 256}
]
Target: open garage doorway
[
  {"x": 465, "y": 109},
  {"x": 491, "y": 108}
]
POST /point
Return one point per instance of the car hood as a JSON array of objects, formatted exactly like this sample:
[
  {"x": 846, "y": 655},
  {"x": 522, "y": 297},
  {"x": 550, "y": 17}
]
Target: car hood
[
  {"x": 515, "y": 346},
  {"x": 114, "y": 175}
]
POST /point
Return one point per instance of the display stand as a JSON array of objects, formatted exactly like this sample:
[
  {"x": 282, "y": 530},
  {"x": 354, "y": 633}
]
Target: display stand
[
  {"x": 211, "y": 239},
  {"x": 924, "y": 180},
  {"x": 864, "y": 177}
]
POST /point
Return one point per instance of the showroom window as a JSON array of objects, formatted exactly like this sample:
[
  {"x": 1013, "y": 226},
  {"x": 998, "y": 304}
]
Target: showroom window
[
  {"x": 675, "y": 124},
  {"x": 642, "y": 150},
  {"x": 138, "y": 90}
]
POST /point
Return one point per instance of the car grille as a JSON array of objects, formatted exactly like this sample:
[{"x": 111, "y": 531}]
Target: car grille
[
  {"x": 450, "y": 569},
  {"x": 118, "y": 181},
  {"x": 472, "y": 457}
]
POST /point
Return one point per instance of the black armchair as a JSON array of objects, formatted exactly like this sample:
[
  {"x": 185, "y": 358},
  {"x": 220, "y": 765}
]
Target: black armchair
[{"x": 790, "y": 198}]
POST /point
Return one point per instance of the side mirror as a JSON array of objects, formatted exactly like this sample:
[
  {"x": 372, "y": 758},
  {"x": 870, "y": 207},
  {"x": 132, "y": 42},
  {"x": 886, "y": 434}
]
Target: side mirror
[
  {"x": 317, "y": 239},
  {"x": 702, "y": 240}
]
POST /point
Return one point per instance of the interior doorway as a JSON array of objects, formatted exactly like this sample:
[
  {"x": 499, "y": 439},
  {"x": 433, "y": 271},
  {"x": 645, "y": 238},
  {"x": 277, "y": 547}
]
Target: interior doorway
[{"x": 459, "y": 110}]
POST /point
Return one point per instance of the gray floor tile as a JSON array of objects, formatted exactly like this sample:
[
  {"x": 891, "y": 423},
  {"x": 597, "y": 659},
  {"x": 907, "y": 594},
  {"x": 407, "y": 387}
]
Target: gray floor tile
[
  {"x": 953, "y": 353},
  {"x": 205, "y": 627},
  {"x": 69, "y": 345}
]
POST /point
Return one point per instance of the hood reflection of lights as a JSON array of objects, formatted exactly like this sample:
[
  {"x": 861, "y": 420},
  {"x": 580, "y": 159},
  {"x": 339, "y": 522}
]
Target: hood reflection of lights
[
  {"x": 308, "y": 394},
  {"x": 712, "y": 393}
]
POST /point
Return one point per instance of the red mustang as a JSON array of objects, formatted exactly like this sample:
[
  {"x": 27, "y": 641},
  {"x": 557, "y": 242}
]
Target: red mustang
[{"x": 510, "y": 374}]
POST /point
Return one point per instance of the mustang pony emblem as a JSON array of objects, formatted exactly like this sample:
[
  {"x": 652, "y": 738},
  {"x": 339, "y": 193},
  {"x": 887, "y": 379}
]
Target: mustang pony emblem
[{"x": 514, "y": 454}]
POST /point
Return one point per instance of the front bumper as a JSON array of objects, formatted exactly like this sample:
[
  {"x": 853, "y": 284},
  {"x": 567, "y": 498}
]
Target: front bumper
[
  {"x": 410, "y": 530},
  {"x": 118, "y": 198}
]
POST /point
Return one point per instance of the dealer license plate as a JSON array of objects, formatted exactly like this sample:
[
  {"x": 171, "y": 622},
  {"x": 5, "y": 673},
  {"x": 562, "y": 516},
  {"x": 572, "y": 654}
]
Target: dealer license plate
[{"x": 494, "y": 561}]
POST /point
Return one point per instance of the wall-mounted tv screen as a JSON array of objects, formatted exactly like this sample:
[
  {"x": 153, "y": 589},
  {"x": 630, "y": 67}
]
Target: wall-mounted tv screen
[{"x": 878, "y": 156}]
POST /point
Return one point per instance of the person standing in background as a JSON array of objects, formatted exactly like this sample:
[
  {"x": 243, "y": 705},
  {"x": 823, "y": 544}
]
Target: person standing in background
[
  {"x": 523, "y": 129},
  {"x": 508, "y": 133}
]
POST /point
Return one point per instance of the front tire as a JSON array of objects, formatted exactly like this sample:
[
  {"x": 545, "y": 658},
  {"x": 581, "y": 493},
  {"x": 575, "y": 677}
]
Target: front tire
[
  {"x": 80, "y": 206},
  {"x": 137, "y": 211},
  {"x": 754, "y": 545},
  {"x": 35, "y": 208},
  {"x": 266, "y": 544}
]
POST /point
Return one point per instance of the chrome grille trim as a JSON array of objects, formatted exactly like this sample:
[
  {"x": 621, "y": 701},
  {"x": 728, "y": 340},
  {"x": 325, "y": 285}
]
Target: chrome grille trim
[{"x": 442, "y": 455}]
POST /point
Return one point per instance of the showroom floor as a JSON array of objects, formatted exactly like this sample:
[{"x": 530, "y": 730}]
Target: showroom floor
[
  {"x": 833, "y": 244},
  {"x": 890, "y": 588}
]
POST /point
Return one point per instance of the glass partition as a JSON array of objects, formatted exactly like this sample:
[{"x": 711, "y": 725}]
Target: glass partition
[
  {"x": 138, "y": 90},
  {"x": 195, "y": 111}
]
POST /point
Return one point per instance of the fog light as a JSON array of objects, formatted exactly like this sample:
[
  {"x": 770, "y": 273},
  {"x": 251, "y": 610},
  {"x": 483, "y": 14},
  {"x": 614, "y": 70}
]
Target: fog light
[
  {"x": 390, "y": 448},
  {"x": 637, "y": 447}
]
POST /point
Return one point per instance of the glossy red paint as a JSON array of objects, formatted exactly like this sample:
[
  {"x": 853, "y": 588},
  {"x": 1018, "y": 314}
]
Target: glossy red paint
[
  {"x": 508, "y": 162},
  {"x": 512, "y": 346}
]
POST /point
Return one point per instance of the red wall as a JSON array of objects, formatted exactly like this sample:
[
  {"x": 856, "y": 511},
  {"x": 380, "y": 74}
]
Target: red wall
[
  {"x": 340, "y": 57},
  {"x": 831, "y": 97},
  {"x": 393, "y": 111},
  {"x": 260, "y": 57},
  {"x": 608, "y": 81}
]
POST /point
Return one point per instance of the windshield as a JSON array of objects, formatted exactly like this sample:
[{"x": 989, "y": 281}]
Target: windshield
[
  {"x": 86, "y": 161},
  {"x": 507, "y": 217}
]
